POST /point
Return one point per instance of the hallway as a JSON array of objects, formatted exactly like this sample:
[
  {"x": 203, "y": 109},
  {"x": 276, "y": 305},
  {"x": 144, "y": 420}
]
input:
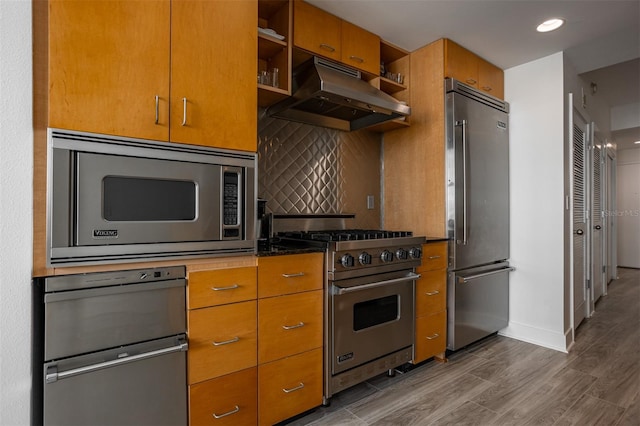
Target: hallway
[{"x": 501, "y": 381}]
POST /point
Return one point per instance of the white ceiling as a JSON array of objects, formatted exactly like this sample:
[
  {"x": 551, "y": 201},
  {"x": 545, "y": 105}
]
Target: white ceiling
[{"x": 597, "y": 34}]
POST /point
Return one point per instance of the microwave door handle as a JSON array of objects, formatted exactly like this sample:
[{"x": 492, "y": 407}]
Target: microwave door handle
[
  {"x": 345, "y": 290},
  {"x": 53, "y": 375}
]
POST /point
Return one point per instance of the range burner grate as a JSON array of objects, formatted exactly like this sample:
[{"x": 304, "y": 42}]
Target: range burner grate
[{"x": 344, "y": 235}]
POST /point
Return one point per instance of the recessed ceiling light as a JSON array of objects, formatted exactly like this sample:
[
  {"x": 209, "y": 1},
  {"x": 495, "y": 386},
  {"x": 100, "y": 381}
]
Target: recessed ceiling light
[
  {"x": 550, "y": 25},
  {"x": 637, "y": 142}
]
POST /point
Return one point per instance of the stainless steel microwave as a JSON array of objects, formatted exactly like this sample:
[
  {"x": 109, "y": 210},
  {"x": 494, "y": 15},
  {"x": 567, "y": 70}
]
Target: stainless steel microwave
[{"x": 112, "y": 199}]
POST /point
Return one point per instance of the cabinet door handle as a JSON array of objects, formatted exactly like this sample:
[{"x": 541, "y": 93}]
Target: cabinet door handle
[
  {"x": 228, "y": 413},
  {"x": 486, "y": 88},
  {"x": 291, "y": 327},
  {"x": 298, "y": 274},
  {"x": 434, "y": 257},
  {"x": 432, "y": 293},
  {"x": 356, "y": 58},
  {"x": 184, "y": 111},
  {"x": 327, "y": 47},
  {"x": 231, "y": 287},
  {"x": 471, "y": 81},
  {"x": 157, "y": 109},
  {"x": 300, "y": 386},
  {"x": 226, "y": 342},
  {"x": 435, "y": 336}
]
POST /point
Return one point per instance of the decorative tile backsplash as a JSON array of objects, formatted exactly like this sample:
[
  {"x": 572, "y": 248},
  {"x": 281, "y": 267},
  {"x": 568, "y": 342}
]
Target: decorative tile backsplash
[{"x": 310, "y": 169}]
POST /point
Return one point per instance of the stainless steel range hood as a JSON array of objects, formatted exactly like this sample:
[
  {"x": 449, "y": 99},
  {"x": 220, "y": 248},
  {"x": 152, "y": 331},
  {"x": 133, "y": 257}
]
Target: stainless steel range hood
[{"x": 331, "y": 95}]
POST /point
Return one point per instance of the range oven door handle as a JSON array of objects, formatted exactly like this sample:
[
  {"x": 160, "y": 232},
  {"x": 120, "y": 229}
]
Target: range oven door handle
[
  {"x": 345, "y": 290},
  {"x": 462, "y": 280},
  {"x": 53, "y": 375}
]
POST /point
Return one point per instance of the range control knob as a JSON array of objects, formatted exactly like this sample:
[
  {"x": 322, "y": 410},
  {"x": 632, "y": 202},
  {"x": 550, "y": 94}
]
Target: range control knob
[
  {"x": 364, "y": 258},
  {"x": 347, "y": 260},
  {"x": 386, "y": 256},
  {"x": 401, "y": 254},
  {"x": 415, "y": 253}
]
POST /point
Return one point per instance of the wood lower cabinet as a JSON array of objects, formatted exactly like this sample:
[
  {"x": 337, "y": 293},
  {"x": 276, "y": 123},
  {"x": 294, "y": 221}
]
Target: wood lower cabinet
[
  {"x": 278, "y": 275},
  {"x": 221, "y": 286},
  {"x": 290, "y": 335},
  {"x": 431, "y": 303},
  {"x": 120, "y": 68},
  {"x": 222, "y": 339},
  {"x": 229, "y": 400},
  {"x": 289, "y": 324},
  {"x": 289, "y": 386}
]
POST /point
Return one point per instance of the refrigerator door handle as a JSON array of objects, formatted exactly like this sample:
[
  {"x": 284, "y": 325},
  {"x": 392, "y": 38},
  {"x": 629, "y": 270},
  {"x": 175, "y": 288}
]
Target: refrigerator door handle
[
  {"x": 463, "y": 280},
  {"x": 53, "y": 375},
  {"x": 465, "y": 222}
]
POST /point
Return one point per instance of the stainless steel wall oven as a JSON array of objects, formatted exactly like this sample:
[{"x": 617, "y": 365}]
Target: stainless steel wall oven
[{"x": 115, "y": 199}]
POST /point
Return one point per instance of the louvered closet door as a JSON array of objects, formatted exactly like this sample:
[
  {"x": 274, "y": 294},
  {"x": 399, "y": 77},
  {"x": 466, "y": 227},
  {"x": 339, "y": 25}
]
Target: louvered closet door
[
  {"x": 597, "y": 232},
  {"x": 580, "y": 295}
]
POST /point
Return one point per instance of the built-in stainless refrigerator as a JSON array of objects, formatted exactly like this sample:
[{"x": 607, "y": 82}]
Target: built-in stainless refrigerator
[{"x": 477, "y": 158}]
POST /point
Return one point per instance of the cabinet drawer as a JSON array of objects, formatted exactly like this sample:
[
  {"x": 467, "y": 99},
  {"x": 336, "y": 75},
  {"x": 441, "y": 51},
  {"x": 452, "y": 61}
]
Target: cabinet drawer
[
  {"x": 289, "y": 386},
  {"x": 434, "y": 256},
  {"x": 289, "y": 324},
  {"x": 431, "y": 338},
  {"x": 225, "y": 401},
  {"x": 431, "y": 292},
  {"x": 294, "y": 273},
  {"x": 222, "y": 340},
  {"x": 222, "y": 286}
]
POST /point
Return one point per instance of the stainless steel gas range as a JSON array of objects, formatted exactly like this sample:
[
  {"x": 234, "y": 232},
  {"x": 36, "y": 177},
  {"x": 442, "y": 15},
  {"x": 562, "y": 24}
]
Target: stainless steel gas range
[{"x": 369, "y": 298}]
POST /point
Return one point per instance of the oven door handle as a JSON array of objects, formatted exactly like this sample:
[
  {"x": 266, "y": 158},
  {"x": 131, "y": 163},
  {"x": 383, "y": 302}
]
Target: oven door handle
[{"x": 345, "y": 290}]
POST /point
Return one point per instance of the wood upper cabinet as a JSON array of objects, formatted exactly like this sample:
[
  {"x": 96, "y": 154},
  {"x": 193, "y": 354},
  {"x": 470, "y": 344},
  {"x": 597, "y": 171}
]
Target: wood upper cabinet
[
  {"x": 213, "y": 73},
  {"x": 107, "y": 63},
  {"x": 469, "y": 68},
  {"x": 360, "y": 48},
  {"x": 317, "y": 31},
  {"x": 324, "y": 34},
  {"x": 490, "y": 79},
  {"x": 112, "y": 65}
]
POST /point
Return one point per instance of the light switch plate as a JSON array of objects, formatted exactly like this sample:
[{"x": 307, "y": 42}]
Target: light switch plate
[{"x": 370, "y": 202}]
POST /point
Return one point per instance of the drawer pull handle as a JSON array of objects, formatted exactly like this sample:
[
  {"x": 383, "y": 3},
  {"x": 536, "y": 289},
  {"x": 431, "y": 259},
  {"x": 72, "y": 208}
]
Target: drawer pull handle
[
  {"x": 356, "y": 58},
  {"x": 299, "y": 274},
  {"x": 327, "y": 47},
  {"x": 291, "y": 327},
  {"x": 435, "y": 336},
  {"x": 471, "y": 81},
  {"x": 432, "y": 293},
  {"x": 434, "y": 257},
  {"x": 228, "y": 413},
  {"x": 486, "y": 88},
  {"x": 226, "y": 342},
  {"x": 231, "y": 287},
  {"x": 300, "y": 386}
]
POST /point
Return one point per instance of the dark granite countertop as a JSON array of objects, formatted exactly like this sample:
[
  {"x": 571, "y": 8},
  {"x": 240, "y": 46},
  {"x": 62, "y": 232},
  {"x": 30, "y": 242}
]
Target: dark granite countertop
[
  {"x": 274, "y": 248},
  {"x": 436, "y": 239}
]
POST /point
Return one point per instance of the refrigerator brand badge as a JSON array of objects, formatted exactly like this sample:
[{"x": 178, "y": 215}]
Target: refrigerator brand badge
[
  {"x": 105, "y": 234},
  {"x": 502, "y": 125}
]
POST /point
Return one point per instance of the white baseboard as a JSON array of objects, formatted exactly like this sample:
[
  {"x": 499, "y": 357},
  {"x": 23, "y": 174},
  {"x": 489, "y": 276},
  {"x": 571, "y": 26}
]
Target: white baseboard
[{"x": 557, "y": 341}]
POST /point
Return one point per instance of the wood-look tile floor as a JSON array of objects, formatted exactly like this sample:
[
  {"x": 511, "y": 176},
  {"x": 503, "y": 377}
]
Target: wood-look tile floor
[{"x": 501, "y": 381}]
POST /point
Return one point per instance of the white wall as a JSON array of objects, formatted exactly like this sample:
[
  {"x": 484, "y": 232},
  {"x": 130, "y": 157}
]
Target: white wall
[
  {"x": 537, "y": 288},
  {"x": 628, "y": 208},
  {"x": 16, "y": 170}
]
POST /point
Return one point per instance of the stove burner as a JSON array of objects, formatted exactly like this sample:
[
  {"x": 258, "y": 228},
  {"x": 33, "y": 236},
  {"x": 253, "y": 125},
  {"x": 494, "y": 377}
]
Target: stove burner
[{"x": 344, "y": 235}]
